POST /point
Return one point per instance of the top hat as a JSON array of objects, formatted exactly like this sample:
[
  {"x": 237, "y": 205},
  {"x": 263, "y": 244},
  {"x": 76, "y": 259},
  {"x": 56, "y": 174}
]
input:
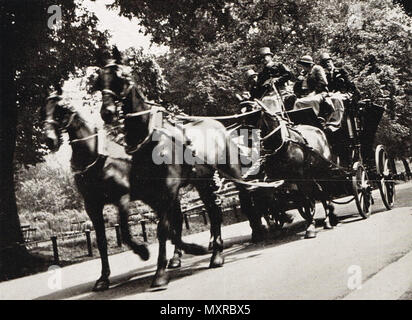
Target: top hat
[{"x": 110, "y": 63}]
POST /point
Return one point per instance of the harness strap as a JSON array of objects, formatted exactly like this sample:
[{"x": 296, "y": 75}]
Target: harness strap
[
  {"x": 85, "y": 169},
  {"x": 236, "y": 116},
  {"x": 54, "y": 122},
  {"x": 137, "y": 114},
  {"x": 108, "y": 91},
  {"x": 83, "y": 139}
]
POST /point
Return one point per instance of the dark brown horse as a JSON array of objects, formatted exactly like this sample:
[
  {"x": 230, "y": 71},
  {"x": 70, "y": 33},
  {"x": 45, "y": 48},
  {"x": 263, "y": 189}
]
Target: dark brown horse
[
  {"x": 149, "y": 137},
  {"x": 301, "y": 155},
  {"x": 100, "y": 179}
]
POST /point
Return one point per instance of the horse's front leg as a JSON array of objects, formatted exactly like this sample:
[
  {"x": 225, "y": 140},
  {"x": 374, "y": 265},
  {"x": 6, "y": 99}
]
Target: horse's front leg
[
  {"x": 138, "y": 247},
  {"x": 254, "y": 217},
  {"x": 176, "y": 260},
  {"x": 215, "y": 215},
  {"x": 309, "y": 208},
  {"x": 161, "y": 279},
  {"x": 94, "y": 210}
]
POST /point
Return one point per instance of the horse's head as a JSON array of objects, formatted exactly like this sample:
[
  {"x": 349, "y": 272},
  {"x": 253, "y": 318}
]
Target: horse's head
[
  {"x": 56, "y": 118},
  {"x": 112, "y": 83},
  {"x": 121, "y": 96}
]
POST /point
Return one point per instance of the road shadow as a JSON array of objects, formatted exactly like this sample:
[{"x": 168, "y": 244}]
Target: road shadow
[
  {"x": 236, "y": 248},
  {"x": 88, "y": 286},
  {"x": 139, "y": 280}
]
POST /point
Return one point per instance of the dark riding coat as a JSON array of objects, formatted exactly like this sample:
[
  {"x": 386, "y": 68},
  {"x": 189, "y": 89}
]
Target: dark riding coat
[
  {"x": 275, "y": 70},
  {"x": 339, "y": 80},
  {"x": 316, "y": 80}
]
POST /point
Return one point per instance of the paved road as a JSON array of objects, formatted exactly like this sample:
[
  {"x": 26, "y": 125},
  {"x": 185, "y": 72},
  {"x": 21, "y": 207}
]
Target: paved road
[{"x": 360, "y": 259}]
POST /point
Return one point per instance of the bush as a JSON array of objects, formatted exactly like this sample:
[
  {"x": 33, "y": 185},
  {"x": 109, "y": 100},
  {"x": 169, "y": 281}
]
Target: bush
[{"x": 42, "y": 188}]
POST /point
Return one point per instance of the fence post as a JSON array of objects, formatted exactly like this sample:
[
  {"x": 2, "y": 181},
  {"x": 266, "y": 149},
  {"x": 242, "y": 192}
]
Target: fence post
[
  {"x": 89, "y": 243},
  {"x": 55, "y": 249},
  {"x": 186, "y": 221},
  {"x": 143, "y": 223},
  {"x": 204, "y": 217},
  {"x": 118, "y": 235},
  {"x": 235, "y": 212}
]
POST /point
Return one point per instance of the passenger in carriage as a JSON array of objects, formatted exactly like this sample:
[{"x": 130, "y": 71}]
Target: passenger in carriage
[
  {"x": 254, "y": 91},
  {"x": 341, "y": 90},
  {"x": 338, "y": 78},
  {"x": 313, "y": 90}
]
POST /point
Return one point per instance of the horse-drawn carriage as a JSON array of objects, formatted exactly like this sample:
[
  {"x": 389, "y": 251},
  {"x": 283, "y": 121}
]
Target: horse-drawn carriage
[
  {"x": 305, "y": 171},
  {"x": 362, "y": 171}
]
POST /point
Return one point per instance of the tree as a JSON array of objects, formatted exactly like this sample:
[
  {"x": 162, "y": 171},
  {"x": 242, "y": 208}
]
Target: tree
[{"x": 34, "y": 54}]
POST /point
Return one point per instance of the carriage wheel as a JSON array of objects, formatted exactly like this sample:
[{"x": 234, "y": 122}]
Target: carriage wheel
[
  {"x": 362, "y": 190},
  {"x": 385, "y": 169}
]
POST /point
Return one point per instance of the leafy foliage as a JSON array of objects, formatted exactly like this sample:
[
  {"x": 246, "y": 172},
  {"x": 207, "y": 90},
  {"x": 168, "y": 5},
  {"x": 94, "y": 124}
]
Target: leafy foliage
[{"x": 42, "y": 57}]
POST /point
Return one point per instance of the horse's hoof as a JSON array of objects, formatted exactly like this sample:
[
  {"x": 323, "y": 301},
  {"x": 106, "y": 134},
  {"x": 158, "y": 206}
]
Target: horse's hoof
[
  {"x": 334, "y": 221},
  {"x": 327, "y": 225},
  {"x": 259, "y": 235},
  {"x": 174, "y": 263},
  {"x": 276, "y": 227},
  {"x": 142, "y": 251},
  {"x": 217, "y": 261},
  {"x": 160, "y": 281},
  {"x": 101, "y": 285},
  {"x": 287, "y": 218},
  {"x": 310, "y": 234}
]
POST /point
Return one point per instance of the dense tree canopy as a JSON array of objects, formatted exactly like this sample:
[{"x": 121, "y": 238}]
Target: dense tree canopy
[{"x": 43, "y": 57}]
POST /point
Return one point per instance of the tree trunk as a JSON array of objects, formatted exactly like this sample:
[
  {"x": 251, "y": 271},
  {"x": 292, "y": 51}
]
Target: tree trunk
[{"x": 12, "y": 250}]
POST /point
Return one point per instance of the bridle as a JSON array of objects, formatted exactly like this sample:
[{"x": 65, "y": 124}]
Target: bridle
[
  {"x": 61, "y": 126},
  {"x": 119, "y": 100}
]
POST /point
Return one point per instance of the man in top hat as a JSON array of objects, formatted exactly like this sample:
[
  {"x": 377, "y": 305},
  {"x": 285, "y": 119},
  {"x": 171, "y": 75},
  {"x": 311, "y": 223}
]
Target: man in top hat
[
  {"x": 272, "y": 73},
  {"x": 314, "y": 87}
]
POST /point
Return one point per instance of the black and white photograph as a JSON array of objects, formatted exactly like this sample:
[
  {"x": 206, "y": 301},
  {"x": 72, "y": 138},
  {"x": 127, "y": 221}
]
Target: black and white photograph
[{"x": 204, "y": 156}]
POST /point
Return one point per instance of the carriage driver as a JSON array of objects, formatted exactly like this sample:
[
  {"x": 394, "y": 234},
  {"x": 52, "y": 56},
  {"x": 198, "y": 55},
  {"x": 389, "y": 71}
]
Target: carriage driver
[{"x": 276, "y": 73}]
